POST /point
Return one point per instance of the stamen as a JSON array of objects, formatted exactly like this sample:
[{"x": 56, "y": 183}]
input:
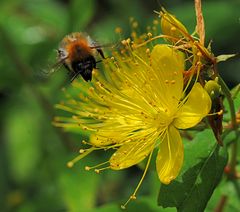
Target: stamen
[
  {"x": 71, "y": 163},
  {"x": 149, "y": 34},
  {"x": 135, "y": 24},
  {"x": 219, "y": 113},
  {"x": 155, "y": 22},
  {"x": 118, "y": 30},
  {"x": 99, "y": 170},
  {"x": 133, "y": 196},
  {"x": 87, "y": 168}
]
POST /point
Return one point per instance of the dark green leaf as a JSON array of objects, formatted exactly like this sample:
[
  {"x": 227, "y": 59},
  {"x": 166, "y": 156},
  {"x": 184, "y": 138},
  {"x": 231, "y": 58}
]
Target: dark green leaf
[{"x": 202, "y": 171}]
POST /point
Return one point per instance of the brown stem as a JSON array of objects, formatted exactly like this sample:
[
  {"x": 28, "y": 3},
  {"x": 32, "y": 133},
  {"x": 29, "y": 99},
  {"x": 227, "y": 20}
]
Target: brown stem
[
  {"x": 221, "y": 204},
  {"x": 200, "y": 21}
]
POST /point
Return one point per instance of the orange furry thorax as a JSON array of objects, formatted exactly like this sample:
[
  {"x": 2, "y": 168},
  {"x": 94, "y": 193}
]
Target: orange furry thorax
[{"x": 78, "y": 50}]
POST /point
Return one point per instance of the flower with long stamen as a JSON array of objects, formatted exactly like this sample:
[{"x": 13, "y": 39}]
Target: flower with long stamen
[{"x": 137, "y": 103}]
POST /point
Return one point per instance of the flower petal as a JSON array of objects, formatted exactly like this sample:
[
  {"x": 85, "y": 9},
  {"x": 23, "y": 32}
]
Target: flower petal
[
  {"x": 170, "y": 156},
  {"x": 168, "y": 65},
  {"x": 194, "y": 109},
  {"x": 131, "y": 153}
]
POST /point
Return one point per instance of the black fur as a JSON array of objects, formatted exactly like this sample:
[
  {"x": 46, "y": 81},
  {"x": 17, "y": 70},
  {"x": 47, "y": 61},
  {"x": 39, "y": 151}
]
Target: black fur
[{"x": 84, "y": 68}]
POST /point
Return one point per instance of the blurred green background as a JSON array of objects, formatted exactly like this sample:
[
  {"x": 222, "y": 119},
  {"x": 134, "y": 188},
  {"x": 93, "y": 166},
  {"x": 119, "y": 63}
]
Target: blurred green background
[{"x": 33, "y": 153}]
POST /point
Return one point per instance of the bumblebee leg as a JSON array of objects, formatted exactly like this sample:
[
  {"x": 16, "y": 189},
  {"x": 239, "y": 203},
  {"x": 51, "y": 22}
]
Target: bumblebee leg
[
  {"x": 73, "y": 77},
  {"x": 100, "y": 51}
]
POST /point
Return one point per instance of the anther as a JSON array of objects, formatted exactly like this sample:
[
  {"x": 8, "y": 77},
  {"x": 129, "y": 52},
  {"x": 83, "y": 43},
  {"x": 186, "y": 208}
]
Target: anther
[
  {"x": 118, "y": 30},
  {"x": 82, "y": 151},
  {"x": 149, "y": 34},
  {"x": 123, "y": 207},
  {"x": 84, "y": 142},
  {"x": 199, "y": 63},
  {"x": 199, "y": 54},
  {"x": 135, "y": 24},
  {"x": 87, "y": 168},
  {"x": 91, "y": 89},
  {"x": 97, "y": 171},
  {"x": 70, "y": 164},
  {"x": 155, "y": 22},
  {"x": 173, "y": 28},
  {"x": 133, "y": 197},
  {"x": 124, "y": 42}
]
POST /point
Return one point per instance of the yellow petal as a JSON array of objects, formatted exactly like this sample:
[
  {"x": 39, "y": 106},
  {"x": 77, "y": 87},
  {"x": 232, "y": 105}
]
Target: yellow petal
[
  {"x": 168, "y": 65},
  {"x": 170, "y": 156},
  {"x": 195, "y": 109},
  {"x": 104, "y": 138},
  {"x": 131, "y": 153}
]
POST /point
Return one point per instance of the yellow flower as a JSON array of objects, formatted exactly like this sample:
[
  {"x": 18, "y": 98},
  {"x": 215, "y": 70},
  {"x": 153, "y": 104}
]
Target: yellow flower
[{"x": 137, "y": 104}]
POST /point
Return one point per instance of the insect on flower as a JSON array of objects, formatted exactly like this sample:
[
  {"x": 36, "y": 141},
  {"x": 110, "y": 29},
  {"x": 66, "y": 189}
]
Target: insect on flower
[{"x": 77, "y": 53}]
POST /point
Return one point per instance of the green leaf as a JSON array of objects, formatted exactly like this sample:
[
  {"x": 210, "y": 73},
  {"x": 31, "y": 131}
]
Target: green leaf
[
  {"x": 203, "y": 168},
  {"x": 224, "y": 57}
]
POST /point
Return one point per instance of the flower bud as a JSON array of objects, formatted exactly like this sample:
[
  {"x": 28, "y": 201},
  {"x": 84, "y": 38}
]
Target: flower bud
[{"x": 213, "y": 88}]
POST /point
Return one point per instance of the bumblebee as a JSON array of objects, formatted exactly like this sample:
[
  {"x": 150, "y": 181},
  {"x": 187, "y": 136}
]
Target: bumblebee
[{"x": 77, "y": 53}]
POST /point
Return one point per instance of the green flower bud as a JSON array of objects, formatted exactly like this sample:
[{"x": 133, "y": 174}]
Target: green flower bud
[{"x": 213, "y": 88}]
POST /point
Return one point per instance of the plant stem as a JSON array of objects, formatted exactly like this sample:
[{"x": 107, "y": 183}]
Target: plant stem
[
  {"x": 221, "y": 204},
  {"x": 228, "y": 95},
  {"x": 200, "y": 21}
]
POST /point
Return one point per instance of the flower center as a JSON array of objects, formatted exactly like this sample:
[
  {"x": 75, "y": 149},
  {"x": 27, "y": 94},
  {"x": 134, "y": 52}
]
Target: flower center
[{"x": 163, "y": 119}]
